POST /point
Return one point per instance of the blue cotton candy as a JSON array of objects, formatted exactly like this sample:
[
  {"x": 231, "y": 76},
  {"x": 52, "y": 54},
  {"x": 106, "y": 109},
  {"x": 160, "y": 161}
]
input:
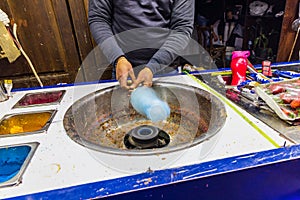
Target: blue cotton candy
[{"x": 146, "y": 102}]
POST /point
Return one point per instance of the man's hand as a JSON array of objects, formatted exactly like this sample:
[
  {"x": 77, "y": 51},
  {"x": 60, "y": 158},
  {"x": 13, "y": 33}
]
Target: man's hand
[
  {"x": 123, "y": 70},
  {"x": 145, "y": 76}
]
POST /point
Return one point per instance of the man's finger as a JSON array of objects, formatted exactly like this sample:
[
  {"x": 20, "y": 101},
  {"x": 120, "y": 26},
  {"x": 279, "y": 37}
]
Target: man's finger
[
  {"x": 136, "y": 82},
  {"x": 132, "y": 75},
  {"x": 123, "y": 82},
  {"x": 147, "y": 83}
]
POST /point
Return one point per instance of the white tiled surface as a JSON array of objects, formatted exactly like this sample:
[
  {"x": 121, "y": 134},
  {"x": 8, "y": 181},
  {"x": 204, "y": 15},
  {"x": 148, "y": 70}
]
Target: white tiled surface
[{"x": 59, "y": 162}]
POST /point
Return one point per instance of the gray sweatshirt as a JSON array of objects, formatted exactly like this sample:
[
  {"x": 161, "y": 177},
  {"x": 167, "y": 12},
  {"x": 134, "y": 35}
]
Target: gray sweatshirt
[{"x": 151, "y": 33}]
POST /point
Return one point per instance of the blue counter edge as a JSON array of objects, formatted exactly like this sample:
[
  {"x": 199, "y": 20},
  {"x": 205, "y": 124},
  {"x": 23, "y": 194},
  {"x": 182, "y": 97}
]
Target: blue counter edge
[{"x": 162, "y": 178}]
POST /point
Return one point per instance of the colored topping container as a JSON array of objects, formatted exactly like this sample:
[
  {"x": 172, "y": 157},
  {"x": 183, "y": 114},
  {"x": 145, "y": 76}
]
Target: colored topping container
[{"x": 238, "y": 66}]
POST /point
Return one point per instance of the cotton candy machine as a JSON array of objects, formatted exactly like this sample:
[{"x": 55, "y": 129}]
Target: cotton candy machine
[{"x": 105, "y": 122}]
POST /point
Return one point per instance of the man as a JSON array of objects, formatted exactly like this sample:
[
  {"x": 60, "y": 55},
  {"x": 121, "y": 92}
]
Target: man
[{"x": 141, "y": 33}]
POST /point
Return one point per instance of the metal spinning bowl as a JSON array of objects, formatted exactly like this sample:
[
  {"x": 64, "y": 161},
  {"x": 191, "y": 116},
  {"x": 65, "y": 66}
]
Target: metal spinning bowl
[{"x": 101, "y": 120}]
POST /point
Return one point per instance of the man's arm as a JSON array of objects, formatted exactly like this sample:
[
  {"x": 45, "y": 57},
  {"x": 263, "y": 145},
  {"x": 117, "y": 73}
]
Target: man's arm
[
  {"x": 100, "y": 21},
  {"x": 181, "y": 25}
]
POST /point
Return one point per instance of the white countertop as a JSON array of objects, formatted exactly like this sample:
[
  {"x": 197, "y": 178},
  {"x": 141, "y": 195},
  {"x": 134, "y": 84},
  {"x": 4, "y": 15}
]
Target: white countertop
[{"x": 59, "y": 162}]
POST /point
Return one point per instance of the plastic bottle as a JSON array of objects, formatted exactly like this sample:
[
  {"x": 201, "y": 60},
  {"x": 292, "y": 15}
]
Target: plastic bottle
[
  {"x": 8, "y": 86},
  {"x": 238, "y": 66},
  {"x": 145, "y": 101}
]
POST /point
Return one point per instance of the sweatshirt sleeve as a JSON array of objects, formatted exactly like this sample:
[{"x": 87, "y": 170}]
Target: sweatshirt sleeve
[
  {"x": 99, "y": 19},
  {"x": 181, "y": 25}
]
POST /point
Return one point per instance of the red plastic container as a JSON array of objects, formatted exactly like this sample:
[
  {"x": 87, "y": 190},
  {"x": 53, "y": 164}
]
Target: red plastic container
[{"x": 238, "y": 66}]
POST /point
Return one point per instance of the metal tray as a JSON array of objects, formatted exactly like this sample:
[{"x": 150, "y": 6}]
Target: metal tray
[
  {"x": 270, "y": 100},
  {"x": 44, "y": 127},
  {"x": 40, "y": 99},
  {"x": 14, "y": 160}
]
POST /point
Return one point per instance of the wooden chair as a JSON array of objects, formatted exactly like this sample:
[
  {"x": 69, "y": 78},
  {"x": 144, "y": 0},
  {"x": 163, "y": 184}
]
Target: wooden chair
[{"x": 206, "y": 37}]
